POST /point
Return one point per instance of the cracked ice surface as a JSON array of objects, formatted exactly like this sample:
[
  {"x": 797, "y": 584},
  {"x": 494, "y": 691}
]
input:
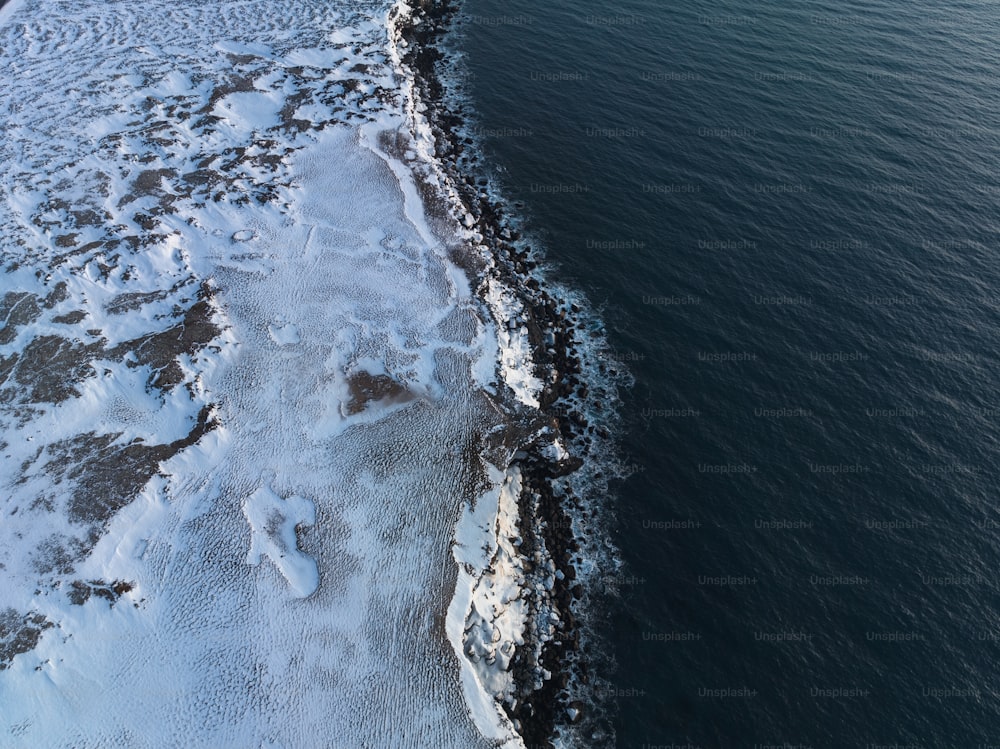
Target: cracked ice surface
[{"x": 236, "y": 391}]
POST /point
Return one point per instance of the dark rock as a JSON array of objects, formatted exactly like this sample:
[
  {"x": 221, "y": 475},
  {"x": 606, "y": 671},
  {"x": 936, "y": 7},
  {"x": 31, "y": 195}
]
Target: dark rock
[
  {"x": 17, "y": 308},
  {"x": 19, "y": 633},
  {"x": 160, "y": 351},
  {"x": 50, "y": 367},
  {"x": 70, "y": 318},
  {"x": 107, "y": 475},
  {"x": 81, "y": 591}
]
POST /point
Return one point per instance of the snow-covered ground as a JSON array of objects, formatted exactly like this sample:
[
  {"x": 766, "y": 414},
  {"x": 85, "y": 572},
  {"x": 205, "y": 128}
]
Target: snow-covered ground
[{"x": 245, "y": 392}]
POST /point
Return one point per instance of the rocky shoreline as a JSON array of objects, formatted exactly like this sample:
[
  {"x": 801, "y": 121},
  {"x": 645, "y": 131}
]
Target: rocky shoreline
[{"x": 550, "y": 670}]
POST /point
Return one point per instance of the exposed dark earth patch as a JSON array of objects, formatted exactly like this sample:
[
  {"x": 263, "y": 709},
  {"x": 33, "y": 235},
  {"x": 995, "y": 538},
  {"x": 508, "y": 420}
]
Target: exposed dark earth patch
[
  {"x": 149, "y": 182},
  {"x": 366, "y": 388},
  {"x": 58, "y": 554},
  {"x": 108, "y": 475},
  {"x": 6, "y": 367},
  {"x": 19, "y": 633},
  {"x": 17, "y": 308},
  {"x": 50, "y": 368},
  {"x": 59, "y": 293},
  {"x": 160, "y": 351},
  {"x": 70, "y": 318},
  {"x": 81, "y": 591},
  {"x": 134, "y": 300}
]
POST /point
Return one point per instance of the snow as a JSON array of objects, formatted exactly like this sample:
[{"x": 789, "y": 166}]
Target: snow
[
  {"x": 273, "y": 521},
  {"x": 489, "y": 588},
  {"x": 296, "y": 565},
  {"x": 555, "y": 451},
  {"x": 283, "y": 334},
  {"x": 516, "y": 362},
  {"x": 8, "y": 8}
]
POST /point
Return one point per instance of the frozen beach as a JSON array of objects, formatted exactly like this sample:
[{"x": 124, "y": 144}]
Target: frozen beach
[{"x": 255, "y": 420}]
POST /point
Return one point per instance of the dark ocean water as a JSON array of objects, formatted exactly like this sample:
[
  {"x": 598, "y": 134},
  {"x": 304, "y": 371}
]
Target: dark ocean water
[{"x": 789, "y": 215}]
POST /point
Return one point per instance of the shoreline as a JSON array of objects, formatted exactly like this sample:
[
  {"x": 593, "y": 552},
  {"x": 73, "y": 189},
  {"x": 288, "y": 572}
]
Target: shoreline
[
  {"x": 552, "y": 679},
  {"x": 514, "y": 626}
]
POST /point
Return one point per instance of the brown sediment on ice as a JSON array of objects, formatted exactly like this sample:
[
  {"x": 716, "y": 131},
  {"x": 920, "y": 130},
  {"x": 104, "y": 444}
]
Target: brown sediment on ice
[{"x": 366, "y": 388}]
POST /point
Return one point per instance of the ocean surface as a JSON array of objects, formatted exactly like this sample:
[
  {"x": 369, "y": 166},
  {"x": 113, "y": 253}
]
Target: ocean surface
[
  {"x": 251, "y": 475},
  {"x": 787, "y": 214}
]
